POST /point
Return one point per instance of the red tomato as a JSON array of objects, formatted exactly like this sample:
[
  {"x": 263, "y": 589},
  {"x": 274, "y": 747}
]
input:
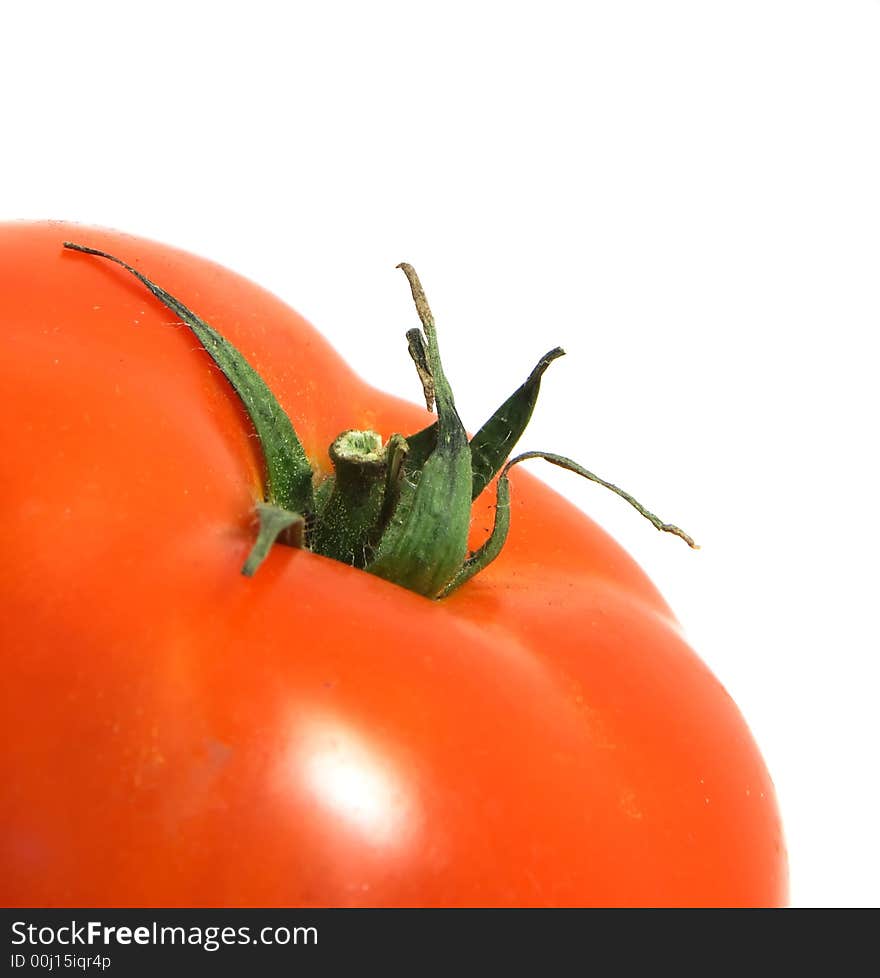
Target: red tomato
[{"x": 176, "y": 734}]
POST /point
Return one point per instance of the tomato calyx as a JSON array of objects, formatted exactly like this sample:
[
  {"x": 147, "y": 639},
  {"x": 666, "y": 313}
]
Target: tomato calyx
[{"x": 398, "y": 509}]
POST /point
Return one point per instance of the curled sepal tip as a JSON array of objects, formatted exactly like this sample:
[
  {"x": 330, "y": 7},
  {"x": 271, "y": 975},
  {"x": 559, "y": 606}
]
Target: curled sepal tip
[{"x": 277, "y": 525}]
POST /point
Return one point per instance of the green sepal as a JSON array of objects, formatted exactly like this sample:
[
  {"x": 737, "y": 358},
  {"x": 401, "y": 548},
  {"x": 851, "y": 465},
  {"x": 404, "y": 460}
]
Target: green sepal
[
  {"x": 493, "y": 546},
  {"x": 481, "y": 558},
  {"x": 419, "y": 447},
  {"x": 494, "y": 442},
  {"x": 419, "y": 354},
  {"x": 425, "y": 541},
  {"x": 288, "y": 472},
  {"x": 276, "y": 525}
]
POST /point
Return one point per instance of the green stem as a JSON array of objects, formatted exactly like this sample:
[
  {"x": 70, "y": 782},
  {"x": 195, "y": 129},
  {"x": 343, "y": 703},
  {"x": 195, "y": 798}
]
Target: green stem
[{"x": 346, "y": 526}]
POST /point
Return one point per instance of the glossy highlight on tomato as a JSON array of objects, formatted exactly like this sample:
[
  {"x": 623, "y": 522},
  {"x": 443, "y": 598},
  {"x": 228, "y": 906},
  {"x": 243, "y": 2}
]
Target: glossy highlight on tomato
[{"x": 177, "y": 734}]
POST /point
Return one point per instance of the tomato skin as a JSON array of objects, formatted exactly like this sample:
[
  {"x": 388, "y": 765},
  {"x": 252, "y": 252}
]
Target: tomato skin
[{"x": 178, "y": 735}]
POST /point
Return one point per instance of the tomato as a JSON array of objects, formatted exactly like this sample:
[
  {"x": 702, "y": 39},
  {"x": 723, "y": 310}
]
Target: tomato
[{"x": 177, "y": 734}]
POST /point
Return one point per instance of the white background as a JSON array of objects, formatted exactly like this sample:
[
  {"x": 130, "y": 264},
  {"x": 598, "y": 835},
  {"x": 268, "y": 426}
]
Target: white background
[{"x": 685, "y": 195}]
